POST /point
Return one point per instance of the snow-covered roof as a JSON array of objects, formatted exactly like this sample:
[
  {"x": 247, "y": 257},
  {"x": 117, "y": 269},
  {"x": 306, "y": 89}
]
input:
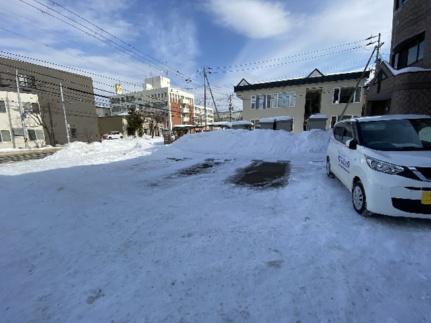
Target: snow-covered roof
[
  {"x": 318, "y": 116},
  {"x": 411, "y": 69},
  {"x": 221, "y": 124},
  {"x": 242, "y": 123},
  {"x": 278, "y": 118},
  {"x": 393, "y": 117}
]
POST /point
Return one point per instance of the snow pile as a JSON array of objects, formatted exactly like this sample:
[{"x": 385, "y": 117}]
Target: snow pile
[
  {"x": 262, "y": 144},
  {"x": 80, "y": 153}
]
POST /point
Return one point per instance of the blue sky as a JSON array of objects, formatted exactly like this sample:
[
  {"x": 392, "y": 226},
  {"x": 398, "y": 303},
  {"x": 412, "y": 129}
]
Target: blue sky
[{"x": 186, "y": 35}]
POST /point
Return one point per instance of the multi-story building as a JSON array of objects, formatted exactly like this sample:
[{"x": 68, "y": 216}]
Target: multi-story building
[
  {"x": 403, "y": 85},
  {"x": 45, "y": 82},
  {"x": 20, "y": 125},
  {"x": 301, "y": 98},
  {"x": 160, "y": 99},
  {"x": 199, "y": 116}
]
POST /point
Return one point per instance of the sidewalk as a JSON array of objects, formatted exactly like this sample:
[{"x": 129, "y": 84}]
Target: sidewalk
[{"x": 26, "y": 154}]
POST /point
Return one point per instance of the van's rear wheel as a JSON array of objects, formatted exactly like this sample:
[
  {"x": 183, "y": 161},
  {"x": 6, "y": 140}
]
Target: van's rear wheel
[
  {"x": 329, "y": 172},
  {"x": 359, "y": 199}
]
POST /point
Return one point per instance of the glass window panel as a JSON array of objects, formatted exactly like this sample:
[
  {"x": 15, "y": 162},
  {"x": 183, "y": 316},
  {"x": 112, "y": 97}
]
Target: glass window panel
[
  {"x": 412, "y": 55},
  {"x": 5, "y": 135},
  {"x": 2, "y": 107},
  {"x": 274, "y": 101},
  {"x": 31, "y": 134},
  {"x": 421, "y": 50}
]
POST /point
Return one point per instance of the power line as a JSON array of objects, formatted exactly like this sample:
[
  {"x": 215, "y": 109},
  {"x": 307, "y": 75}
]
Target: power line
[
  {"x": 300, "y": 54},
  {"x": 311, "y": 58},
  {"x": 112, "y": 35},
  {"x": 90, "y": 32}
]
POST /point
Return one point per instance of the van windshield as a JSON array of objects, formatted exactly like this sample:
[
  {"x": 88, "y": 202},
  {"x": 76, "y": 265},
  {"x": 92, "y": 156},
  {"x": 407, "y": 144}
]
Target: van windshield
[{"x": 396, "y": 135}]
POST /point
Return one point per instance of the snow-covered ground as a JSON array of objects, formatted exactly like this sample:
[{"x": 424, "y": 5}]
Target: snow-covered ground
[{"x": 113, "y": 233}]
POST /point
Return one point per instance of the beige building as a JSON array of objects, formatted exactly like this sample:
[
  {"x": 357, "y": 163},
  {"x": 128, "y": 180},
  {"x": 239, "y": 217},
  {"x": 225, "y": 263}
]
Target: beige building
[
  {"x": 301, "y": 98},
  {"x": 159, "y": 98},
  {"x": 17, "y": 132},
  {"x": 45, "y": 83},
  {"x": 199, "y": 116}
]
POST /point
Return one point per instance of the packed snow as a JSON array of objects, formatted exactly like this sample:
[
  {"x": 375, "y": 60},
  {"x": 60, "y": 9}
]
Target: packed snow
[
  {"x": 79, "y": 154},
  {"x": 118, "y": 232}
]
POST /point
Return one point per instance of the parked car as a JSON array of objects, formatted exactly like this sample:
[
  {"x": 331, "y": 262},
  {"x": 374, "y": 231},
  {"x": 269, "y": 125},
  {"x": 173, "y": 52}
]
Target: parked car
[
  {"x": 385, "y": 162},
  {"x": 112, "y": 135}
]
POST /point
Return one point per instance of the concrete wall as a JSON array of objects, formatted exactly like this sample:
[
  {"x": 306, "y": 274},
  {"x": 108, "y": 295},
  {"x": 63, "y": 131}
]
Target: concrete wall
[
  {"x": 297, "y": 113},
  {"x": 78, "y": 94},
  {"x": 11, "y": 119}
]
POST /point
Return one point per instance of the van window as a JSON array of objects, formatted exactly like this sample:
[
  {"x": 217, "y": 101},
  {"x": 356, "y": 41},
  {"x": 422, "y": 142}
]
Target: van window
[
  {"x": 338, "y": 132},
  {"x": 348, "y": 132}
]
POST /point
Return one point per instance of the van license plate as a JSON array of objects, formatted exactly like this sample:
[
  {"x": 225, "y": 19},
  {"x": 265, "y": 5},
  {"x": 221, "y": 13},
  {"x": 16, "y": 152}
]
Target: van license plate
[{"x": 426, "y": 198}]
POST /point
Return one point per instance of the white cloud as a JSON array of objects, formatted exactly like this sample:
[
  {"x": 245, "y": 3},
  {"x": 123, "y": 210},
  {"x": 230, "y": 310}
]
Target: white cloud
[
  {"x": 339, "y": 21},
  {"x": 173, "y": 39},
  {"x": 252, "y": 18}
]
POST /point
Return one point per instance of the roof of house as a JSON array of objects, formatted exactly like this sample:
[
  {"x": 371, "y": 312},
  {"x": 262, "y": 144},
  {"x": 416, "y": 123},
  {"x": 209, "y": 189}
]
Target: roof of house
[{"x": 311, "y": 79}]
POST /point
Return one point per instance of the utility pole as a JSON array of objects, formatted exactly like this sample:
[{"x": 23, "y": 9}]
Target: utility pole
[
  {"x": 379, "y": 45},
  {"x": 21, "y": 111},
  {"x": 358, "y": 83},
  {"x": 230, "y": 108},
  {"x": 10, "y": 121},
  {"x": 211, "y": 92},
  {"x": 64, "y": 113},
  {"x": 205, "y": 97}
]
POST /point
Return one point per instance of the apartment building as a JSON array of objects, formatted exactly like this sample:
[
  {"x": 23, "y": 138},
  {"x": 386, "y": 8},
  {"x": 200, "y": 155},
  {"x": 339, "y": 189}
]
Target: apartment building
[
  {"x": 159, "y": 98},
  {"x": 19, "y": 121},
  {"x": 403, "y": 85},
  {"x": 45, "y": 83},
  {"x": 200, "y": 118},
  {"x": 303, "y": 97}
]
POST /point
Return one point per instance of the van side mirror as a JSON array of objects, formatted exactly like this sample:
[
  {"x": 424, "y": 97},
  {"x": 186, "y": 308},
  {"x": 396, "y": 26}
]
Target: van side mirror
[{"x": 352, "y": 144}]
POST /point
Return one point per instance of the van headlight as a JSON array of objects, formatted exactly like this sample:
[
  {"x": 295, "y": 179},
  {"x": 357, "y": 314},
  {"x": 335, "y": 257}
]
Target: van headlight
[{"x": 383, "y": 167}]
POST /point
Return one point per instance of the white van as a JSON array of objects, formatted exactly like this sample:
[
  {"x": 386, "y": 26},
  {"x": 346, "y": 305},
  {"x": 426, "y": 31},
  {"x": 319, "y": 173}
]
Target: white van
[{"x": 385, "y": 162}]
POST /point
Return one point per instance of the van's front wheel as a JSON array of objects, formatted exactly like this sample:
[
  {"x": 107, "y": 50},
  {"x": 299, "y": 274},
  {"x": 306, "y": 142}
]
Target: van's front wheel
[{"x": 359, "y": 199}]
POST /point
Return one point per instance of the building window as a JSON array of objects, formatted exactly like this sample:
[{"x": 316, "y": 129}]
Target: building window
[
  {"x": 286, "y": 100},
  {"x": 343, "y": 95},
  {"x": 274, "y": 101},
  {"x": 5, "y": 136},
  {"x": 409, "y": 53},
  {"x": 260, "y": 104},
  {"x": 73, "y": 133},
  {"x": 35, "y": 134},
  {"x": 2, "y": 107},
  {"x": 26, "y": 81},
  {"x": 399, "y": 4},
  {"x": 31, "y": 134}
]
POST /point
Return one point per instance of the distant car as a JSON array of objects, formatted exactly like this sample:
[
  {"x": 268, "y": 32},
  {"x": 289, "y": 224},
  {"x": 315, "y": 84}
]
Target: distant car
[
  {"x": 112, "y": 135},
  {"x": 385, "y": 162}
]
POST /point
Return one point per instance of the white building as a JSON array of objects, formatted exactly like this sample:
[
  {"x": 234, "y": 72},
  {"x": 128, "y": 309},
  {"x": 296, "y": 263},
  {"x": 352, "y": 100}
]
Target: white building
[
  {"x": 159, "y": 98},
  {"x": 199, "y": 115},
  {"x": 13, "y": 129}
]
